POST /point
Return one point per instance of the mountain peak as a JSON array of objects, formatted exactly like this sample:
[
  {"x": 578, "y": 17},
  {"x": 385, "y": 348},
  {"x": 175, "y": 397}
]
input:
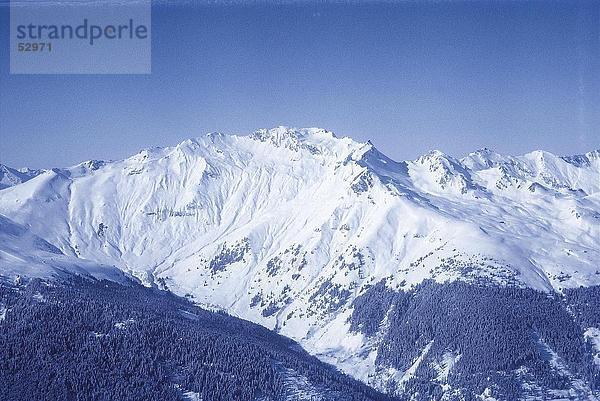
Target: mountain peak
[
  {"x": 437, "y": 157},
  {"x": 317, "y": 141},
  {"x": 283, "y": 136},
  {"x": 583, "y": 160},
  {"x": 482, "y": 159},
  {"x": 539, "y": 155},
  {"x": 10, "y": 176},
  {"x": 436, "y": 170}
]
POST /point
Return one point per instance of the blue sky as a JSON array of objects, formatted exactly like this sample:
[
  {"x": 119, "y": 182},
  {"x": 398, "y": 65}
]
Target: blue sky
[{"x": 411, "y": 76}]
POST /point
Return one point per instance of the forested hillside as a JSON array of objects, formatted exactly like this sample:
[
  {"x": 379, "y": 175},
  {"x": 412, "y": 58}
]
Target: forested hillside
[
  {"x": 466, "y": 340},
  {"x": 97, "y": 340}
]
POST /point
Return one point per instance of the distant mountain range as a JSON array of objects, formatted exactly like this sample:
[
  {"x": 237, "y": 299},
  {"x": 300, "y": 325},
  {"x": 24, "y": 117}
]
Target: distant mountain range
[
  {"x": 335, "y": 245},
  {"x": 10, "y": 177}
]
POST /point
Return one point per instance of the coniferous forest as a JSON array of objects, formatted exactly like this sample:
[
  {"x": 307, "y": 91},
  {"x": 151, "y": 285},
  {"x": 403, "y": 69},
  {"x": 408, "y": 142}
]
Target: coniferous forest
[
  {"x": 97, "y": 340},
  {"x": 507, "y": 339}
]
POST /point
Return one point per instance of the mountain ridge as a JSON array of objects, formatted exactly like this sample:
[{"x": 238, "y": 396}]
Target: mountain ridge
[{"x": 288, "y": 227}]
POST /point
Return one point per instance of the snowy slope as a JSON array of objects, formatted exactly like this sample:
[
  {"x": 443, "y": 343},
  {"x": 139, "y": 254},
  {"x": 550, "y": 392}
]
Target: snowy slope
[
  {"x": 287, "y": 226},
  {"x": 24, "y": 254}
]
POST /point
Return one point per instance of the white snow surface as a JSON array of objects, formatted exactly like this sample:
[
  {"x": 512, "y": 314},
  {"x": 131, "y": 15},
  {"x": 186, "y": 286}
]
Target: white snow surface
[
  {"x": 24, "y": 254},
  {"x": 11, "y": 176},
  {"x": 285, "y": 227}
]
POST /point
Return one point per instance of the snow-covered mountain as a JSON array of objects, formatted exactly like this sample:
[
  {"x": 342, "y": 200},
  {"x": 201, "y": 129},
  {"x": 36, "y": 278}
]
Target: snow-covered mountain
[
  {"x": 10, "y": 176},
  {"x": 287, "y": 227},
  {"x": 24, "y": 254}
]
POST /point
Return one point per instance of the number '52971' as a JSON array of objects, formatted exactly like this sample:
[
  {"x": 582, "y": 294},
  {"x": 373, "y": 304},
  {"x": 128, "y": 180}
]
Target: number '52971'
[{"x": 34, "y": 47}]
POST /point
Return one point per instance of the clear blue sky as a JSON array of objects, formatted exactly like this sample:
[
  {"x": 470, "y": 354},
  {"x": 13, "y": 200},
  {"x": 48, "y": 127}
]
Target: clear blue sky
[{"x": 412, "y": 76}]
